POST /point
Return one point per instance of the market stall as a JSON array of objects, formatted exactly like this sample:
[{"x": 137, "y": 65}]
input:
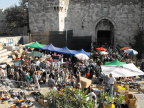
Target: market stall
[{"x": 125, "y": 70}]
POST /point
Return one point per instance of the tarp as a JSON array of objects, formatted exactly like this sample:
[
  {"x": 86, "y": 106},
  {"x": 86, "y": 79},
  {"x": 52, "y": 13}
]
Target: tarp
[
  {"x": 64, "y": 50},
  {"x": 115, "y": 62},
  {"x": 35, "y": 54},
  {"x": 50, "y": 47},
  {"x": 35, "y": 45},
  {"x": 126, "y": 70},
  {"x": 84, "y": 52},
  {"x": 81, "y": 56}
]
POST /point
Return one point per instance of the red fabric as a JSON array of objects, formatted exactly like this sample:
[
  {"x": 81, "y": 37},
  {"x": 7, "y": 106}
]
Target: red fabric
[
  {"x": 24, "y": 107},
  {"x": 101, "y": 49},
  {"x": 124, "y": 48},
  {"x": 13, "y": 106},
  {"x": 88, "y": 74}
]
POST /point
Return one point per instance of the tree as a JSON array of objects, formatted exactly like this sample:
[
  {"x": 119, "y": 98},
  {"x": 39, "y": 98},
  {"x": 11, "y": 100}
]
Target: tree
[{"x": 17, "y": 16}]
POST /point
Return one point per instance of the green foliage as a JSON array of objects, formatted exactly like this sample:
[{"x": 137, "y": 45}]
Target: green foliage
[
  {"x": 107, "y": 99},
  {"x": 119, "y": 99},
  {"x": 68, "y": 98},
  {"x": 17, "y": 16}
]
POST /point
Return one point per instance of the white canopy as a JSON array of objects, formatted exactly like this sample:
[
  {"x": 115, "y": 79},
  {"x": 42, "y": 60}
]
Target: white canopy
[
  {"x": 126, "y": 70},
  {"x": 81, "y": 56},
  {"x": 103, "y": 53}
]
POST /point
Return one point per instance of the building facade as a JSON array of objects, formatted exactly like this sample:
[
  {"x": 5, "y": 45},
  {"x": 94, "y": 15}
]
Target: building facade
[{"x": 114, "y": 22}]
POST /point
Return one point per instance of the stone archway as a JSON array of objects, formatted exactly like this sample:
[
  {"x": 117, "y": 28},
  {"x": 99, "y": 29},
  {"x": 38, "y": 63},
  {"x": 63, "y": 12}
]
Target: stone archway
[{"x": 104, "y": 32}]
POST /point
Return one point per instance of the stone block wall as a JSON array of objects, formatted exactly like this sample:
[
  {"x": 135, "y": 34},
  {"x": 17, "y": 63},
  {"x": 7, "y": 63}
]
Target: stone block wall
[
  {"x": 82, "y": 16},
  {"x": 11, "y": 41}
]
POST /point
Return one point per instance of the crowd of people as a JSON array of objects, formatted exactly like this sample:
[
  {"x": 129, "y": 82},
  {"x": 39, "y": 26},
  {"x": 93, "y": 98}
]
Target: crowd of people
[{"x": 57, "y": 70}]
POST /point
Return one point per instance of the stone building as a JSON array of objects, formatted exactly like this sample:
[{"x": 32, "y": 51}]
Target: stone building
[{"x": 77, "y": 23}]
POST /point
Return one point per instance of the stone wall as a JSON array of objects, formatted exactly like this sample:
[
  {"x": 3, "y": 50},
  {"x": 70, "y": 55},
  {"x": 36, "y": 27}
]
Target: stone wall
[
  {"x": 11, "y": 41},
  {"x": 82, "y": 16}
]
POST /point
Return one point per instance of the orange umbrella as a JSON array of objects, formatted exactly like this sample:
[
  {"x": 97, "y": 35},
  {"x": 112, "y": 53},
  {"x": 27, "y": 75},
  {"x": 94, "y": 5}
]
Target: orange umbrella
[
  {"x": 124, "y": 48},
  {"x": 101, "y": 49}
]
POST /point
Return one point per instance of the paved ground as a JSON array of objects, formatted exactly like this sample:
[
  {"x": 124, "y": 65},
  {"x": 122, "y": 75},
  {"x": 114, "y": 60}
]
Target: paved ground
[
  {"x": 44, "y": 90},
  {"x": 140, "y": 100}
]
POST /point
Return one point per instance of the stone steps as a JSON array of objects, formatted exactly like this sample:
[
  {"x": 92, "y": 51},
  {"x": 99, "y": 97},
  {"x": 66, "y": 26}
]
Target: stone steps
[
  {"x": 4, "y": 65},
  {"x": 8, "y": 60},
  {"x": 5, "y": 53},
  {"x": 2, "y": 59},
  {"x": 5, "y": 59},
  {"x": 3, "y": 50}
]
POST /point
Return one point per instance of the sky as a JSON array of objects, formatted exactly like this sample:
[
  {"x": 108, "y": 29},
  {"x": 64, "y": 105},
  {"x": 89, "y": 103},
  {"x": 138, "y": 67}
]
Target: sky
[{"x": 8, "y": 3}]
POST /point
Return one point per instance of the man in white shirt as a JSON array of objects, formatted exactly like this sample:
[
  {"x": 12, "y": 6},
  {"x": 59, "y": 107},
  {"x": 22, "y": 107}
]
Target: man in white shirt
[
  {"x": 93, "y": 96},
  {"x": 2, "y": 73},
  {"x": 37, "y": 63},
  {"x": 112, "y": 81}
]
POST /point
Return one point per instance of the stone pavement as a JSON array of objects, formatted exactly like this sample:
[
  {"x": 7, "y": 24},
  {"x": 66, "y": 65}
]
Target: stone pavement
[
  {"x": 44, "y": 90},
  {"x": 140, "y": 100}
]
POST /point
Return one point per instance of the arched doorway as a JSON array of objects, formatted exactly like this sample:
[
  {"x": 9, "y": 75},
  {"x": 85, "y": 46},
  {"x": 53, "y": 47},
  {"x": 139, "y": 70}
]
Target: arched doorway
[{"x": 104, "y": 33}]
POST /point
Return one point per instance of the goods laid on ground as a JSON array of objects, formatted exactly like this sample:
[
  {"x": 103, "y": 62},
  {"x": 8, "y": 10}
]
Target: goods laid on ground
[
  {"x": 42, "y": 101},
  {"x": 141, "y": 89},
  {"x": 130, "y": 100},
  {"x": 93, "y": 86},
  {"x": 126, "y": 87},
  {"x": 39, "y": 98},
  {"x": 13, "y": 99},
  {"x": 121, "y": 89},
  {"x": 100, "y": 87},
  {"x": 85, "y": 82},
  {"x": 109, "y": 106}
]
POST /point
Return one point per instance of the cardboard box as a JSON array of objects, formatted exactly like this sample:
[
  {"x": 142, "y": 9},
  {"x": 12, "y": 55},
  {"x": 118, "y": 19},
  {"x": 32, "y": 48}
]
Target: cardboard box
[
  {"x": 127, "y": 87},
  {"x": 132, "y": 106},
  {"x": 93, "y": 86},
  {"x": 85, "y": 82},
  {"x": 132, "y": 102},
  {"x": 109, "y": 106},
  {"x": 121, "y": 89},
  {"x": 130, "y": 96},
  {"x": 130, "y": 99},
  {"x": 100, "y": 87},
  {"x": 41, "y": 101}
]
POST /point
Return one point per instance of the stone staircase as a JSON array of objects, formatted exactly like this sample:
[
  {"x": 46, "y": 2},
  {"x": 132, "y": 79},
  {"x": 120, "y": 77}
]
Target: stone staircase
[{"x": 5, "y": 57}]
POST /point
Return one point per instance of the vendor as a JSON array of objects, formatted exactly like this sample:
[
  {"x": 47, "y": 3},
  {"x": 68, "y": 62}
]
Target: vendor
[{"x": 112, "y": 81}]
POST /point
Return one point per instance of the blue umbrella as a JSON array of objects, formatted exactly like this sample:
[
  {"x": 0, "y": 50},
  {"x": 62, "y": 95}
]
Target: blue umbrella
[{"x": 131, "y": 52}]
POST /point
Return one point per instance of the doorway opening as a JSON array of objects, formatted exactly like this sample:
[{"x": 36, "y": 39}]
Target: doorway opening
[
  {"x": 103, "y": 37},
  {"x": 104, "y": 33}
]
